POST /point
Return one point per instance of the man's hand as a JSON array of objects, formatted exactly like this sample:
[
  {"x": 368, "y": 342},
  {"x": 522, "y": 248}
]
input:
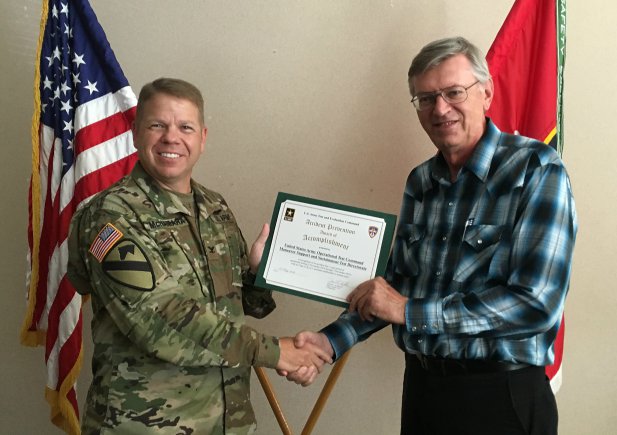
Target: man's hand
[
  {"x": 257, "y": 249},
  {"x": 306, "y": 361},
  {"x": 376, "y": 298},
  {"x": 309, "y": 340},
  {"x": 315, "y": 338}
]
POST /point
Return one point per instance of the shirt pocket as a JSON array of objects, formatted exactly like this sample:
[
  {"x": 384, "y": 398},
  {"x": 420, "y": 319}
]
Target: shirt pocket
[
  {"x": 408, "y": 240},
  {"x": 478, "y": 247},
  {"x": 481, "y": 237},
  {"x": 182, "y": 260}
]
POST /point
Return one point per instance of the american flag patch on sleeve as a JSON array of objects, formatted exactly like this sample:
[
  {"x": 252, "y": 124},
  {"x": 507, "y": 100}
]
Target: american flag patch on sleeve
[{"x": 104, "y": 241}]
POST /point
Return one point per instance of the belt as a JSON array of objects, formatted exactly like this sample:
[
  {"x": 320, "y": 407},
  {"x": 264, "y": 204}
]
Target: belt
[{"x": 453, "y": 367}]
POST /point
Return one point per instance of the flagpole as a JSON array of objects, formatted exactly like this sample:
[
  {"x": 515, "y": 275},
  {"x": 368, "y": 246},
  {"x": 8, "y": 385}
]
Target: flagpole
[
  {"x": 325, "y": 394},
  {"x": 274, "y": 404}
]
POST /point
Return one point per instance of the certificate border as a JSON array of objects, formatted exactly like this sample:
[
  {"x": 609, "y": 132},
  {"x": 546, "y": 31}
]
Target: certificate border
[{"x": 388, "y": 235}]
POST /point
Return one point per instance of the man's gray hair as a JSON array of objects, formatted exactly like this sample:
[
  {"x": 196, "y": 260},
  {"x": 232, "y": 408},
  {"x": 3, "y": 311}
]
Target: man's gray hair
[{"x": 438, "y": 51}]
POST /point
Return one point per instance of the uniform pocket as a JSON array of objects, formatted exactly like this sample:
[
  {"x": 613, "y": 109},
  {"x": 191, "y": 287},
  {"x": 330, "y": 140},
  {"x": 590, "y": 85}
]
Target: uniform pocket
[{"x": 236, "y": 251}]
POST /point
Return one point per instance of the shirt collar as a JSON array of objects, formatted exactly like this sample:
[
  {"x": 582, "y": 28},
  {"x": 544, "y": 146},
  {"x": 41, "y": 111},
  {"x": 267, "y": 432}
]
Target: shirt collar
[{"x": 479, "y": 163}]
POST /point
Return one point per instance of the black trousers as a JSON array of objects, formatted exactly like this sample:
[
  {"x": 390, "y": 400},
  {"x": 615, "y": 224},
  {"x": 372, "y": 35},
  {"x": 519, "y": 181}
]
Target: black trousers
[{"x": 504, "y": 403}]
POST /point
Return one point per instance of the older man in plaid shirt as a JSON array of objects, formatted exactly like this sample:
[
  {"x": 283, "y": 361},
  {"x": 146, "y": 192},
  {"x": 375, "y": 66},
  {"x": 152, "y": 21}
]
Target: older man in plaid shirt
[{"x": 480, "y": 268}]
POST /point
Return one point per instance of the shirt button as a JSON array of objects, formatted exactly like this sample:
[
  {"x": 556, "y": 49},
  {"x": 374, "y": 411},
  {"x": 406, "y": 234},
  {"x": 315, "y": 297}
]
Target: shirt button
[
  {"x": 479, "y": 241},
  {"x": 438, "y": 273},
  {"x": 419, "y": 340},
  {"x": 450, "y": 204},
  {"x": 444, "y": 238},
  {"x": 414, "y": 329},
  {"x": 423, "y": 326}
]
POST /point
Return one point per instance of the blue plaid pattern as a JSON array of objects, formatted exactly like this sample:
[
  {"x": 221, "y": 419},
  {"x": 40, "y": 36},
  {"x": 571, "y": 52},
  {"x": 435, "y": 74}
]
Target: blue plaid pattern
[{"x": 485, "y": 260}]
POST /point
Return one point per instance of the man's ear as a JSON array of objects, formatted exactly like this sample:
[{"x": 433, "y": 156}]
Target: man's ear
[
  {"x": 489, "y": 89},
  {"x": 203, "y": 139},
  {"x": 134, "y": 132}
]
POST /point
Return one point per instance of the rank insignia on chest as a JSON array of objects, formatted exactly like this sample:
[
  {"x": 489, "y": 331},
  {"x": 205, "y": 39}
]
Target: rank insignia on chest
[
  {"x": 127, "y": 264},
  {"x": 104, "y": 241},
  {"x": 221, "y": 217}
]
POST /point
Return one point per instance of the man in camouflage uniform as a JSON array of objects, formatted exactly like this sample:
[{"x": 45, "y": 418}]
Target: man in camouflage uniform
[{"x": 170, "y": 281}]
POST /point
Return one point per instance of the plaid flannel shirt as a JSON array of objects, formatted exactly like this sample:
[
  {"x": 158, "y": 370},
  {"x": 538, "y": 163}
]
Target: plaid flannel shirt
[{"x": 485, "y": 260}]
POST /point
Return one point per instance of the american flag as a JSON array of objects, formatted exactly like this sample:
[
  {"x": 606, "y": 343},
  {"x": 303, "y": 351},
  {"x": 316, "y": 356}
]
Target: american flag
[
  {"x": 82, "y": 143},
  {"x": 526, "y": 61}
]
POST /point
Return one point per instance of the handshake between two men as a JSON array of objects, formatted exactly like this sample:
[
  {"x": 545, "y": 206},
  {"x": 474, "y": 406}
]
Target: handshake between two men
[
  {"x": 302, "y": 357},
  {"x": 371, "y": 299}
]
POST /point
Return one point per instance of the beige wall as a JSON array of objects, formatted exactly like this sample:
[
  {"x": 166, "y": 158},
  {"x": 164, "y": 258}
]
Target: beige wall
[{"x": 309, "y": 97}]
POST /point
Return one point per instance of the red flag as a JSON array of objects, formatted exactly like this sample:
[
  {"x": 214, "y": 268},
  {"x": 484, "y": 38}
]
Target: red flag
[
  {"x": 526, "y": 61},
  {"x": 81, "y": 144}
]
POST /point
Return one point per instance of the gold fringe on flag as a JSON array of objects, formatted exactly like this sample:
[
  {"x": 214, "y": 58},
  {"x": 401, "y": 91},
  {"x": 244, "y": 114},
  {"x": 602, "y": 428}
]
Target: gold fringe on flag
[{"x": 35, "y": 338}]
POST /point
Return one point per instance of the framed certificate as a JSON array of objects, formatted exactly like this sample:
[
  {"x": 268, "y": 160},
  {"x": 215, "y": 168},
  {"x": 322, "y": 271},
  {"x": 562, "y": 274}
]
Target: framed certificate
[{"x": 322, "y": 250}]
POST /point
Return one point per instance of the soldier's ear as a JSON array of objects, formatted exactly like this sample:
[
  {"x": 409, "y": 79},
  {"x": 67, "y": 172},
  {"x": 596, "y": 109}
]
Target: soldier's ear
[
  {"x": 134, "y": 132},
  {"x": 204, "y": 133}
]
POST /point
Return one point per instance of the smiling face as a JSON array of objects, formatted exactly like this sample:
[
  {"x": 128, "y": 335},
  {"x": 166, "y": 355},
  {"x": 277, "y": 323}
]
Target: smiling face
[
  {"x": 455, "y": 129},
  {"x": 169, "y": 136}
]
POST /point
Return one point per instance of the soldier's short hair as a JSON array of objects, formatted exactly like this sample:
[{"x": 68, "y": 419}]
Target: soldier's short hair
[
  {"x": 176, "y": 88},
  {"x": 436, "y": 52}
]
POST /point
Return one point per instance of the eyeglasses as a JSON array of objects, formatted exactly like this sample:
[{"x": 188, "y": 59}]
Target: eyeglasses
[{"x": 451, "y": 95}]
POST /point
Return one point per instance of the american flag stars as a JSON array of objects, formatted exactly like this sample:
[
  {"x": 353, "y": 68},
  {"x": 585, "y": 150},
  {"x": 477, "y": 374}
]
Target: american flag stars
[{"x": 68, "y": 78}]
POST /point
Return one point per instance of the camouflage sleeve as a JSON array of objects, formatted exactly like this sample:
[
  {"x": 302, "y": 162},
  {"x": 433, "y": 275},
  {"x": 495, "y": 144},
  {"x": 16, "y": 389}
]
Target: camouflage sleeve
[
  {"x": 150, "y": 307},
  {"x": 256, "y": 302},
  {"x": 76, "y": 269}
]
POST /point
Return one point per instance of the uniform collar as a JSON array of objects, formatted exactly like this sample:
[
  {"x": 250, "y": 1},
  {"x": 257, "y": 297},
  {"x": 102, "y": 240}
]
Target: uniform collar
[{"x": 167, "y": 202}]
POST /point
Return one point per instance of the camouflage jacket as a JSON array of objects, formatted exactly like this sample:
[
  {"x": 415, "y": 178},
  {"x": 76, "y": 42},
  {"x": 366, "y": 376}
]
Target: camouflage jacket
[{"x": 172, "y": 354}]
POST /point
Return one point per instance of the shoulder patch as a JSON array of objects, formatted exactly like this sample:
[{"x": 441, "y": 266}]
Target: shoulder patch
[
  {"x": 104, "y": 241},
  {"x": 127, "y": 264}
]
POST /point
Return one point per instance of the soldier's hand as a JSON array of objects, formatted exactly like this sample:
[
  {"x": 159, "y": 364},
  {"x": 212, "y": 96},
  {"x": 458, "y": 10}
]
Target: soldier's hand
[
  {"x": 304, "y": 376},
  {"x": 307, "y": 361},
  {"x": 309, "y": 339},
  {"x": 257, "y": 249}
]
